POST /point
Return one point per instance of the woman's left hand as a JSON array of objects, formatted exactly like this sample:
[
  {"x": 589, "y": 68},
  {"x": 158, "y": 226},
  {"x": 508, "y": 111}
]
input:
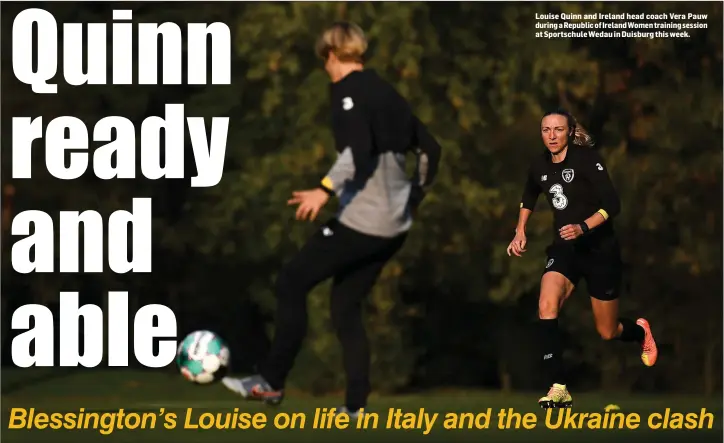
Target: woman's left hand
[{"x": 570, "y": 232}]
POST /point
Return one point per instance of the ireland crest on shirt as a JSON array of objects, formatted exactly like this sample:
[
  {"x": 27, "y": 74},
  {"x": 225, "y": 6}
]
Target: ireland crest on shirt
[{"x": 567, "y": 175}]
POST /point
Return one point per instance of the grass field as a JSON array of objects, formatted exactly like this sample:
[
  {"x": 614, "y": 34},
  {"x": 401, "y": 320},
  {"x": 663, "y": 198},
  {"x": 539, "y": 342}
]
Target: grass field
[{"x": 149, "y": 392}]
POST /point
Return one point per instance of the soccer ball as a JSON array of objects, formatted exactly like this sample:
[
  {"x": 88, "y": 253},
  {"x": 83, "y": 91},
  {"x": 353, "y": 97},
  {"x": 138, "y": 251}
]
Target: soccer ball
[{"x": 203, "y": 357}]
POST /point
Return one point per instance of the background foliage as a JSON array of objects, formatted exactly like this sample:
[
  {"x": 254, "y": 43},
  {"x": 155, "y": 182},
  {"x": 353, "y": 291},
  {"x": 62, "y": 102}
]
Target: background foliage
[{"x": 452, "y": 308}]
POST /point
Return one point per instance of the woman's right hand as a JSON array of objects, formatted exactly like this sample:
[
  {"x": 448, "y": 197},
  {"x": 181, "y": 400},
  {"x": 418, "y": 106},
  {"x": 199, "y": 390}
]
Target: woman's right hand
[{"x": 517, "y": 246}]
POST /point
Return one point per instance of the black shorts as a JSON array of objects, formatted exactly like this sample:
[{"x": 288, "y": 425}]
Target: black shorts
[{"x": 598, "y": 263}]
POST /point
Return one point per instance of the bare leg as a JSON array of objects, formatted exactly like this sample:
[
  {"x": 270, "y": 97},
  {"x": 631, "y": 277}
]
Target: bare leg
[
  {"x": 610, "y": 327},
  {"x": 605, "y": 314}
]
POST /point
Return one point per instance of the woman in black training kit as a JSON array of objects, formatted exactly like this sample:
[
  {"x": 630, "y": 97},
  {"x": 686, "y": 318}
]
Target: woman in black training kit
[
  {"x": 374, "y": 129},
  {"x": 575, "y": 180}
]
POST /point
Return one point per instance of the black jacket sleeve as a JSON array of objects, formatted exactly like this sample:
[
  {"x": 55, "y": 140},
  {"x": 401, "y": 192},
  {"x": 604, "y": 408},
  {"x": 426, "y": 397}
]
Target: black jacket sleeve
[
  {"x": 531, "y": 191},
  {"x": 428, "y": 155},
  {"x": 353, "y": 134},
  {"x": 597, "y": 173},
  {"x": 359, "y": 132}
]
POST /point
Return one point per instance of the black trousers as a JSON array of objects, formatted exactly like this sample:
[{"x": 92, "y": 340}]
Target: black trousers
[{"x": 354, "y": 261}]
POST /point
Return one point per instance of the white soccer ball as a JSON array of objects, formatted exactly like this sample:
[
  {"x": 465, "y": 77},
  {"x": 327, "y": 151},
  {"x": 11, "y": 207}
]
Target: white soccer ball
[{"x": 203, "y": 357}]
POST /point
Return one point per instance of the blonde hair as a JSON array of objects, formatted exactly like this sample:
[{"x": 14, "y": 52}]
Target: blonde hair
[
  {"x": 345, "y": 40},
  {"x": 581, "y": 137}
]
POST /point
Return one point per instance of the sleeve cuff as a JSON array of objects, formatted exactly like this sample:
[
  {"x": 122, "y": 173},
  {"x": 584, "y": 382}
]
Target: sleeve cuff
[
  {"x": 603, "y": 213},
  {"x": 327, "y": 185}
]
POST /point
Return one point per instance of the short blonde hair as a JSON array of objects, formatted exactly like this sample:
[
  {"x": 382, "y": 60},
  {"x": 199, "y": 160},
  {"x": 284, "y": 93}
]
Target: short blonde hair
[{"x": 345, "y": 40}]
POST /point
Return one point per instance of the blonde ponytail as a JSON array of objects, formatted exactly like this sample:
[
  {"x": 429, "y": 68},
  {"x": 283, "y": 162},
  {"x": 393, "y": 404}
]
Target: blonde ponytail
[{"x": 581, "y": 137}]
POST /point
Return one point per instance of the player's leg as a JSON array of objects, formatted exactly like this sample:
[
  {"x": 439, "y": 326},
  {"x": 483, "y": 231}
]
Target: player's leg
[
  {"x": 603, "y": 276},
  {"x": 351, "y": 287},
  {"x": 327, "y": 252},
  {"x": 557, "y": 284}
]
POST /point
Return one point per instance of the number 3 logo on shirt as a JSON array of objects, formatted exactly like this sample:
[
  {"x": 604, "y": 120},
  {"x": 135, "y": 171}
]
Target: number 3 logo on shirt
[{"x": 560, "y": 201}]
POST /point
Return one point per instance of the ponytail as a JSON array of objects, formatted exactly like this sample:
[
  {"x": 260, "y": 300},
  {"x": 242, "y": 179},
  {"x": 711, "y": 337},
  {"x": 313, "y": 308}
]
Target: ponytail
[{"x": 581, "y": 137}]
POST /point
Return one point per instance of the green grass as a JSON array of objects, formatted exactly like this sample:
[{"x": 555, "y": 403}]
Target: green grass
[{"x": 149, "y": 392}]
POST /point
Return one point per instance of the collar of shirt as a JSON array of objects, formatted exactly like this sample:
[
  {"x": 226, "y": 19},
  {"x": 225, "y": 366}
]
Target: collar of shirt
[
  {"x": 351, "y": 77},
  {"x": 565, "y": 161}
]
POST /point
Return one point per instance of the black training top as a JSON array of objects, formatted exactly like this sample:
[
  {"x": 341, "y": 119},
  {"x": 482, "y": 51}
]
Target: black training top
[
  {"x": 575, "y": 188},
  {"x": 374, "y": 128}
]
